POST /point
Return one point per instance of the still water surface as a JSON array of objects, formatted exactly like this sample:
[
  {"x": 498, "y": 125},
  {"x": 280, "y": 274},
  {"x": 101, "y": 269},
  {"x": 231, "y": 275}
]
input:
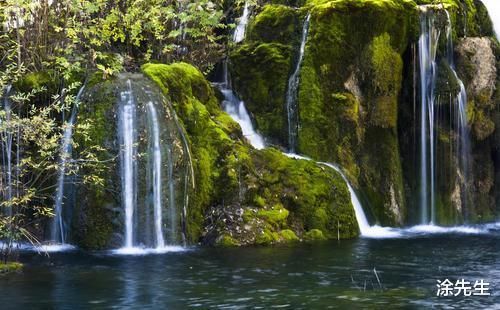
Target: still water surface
[{"x": 336, "y": 275}]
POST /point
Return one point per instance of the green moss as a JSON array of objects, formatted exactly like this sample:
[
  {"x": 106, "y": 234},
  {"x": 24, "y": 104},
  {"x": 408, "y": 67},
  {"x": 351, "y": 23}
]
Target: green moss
[
  {"x": 267, "y": 237},
  {"x": 284, "y": 194},
  {"x": 36, "y": 80},
  {"x": 275, "y": 23},
  {"x": 483, "y": 126},
  {"x": 227, "y": 241},
  {"x": 93, "y": 225},
  {"x": 218, "y": 151},
  {"x": 447, "y": 83},
  {"x": 314, "y": 195},
  {"x": 276, "y": 215},
  {"x": 314, "y": 234},
  {"x": 288, "y": 235},
  {"x": 10, "y": 267},
  {"x": 384, "y": 77},
  {"x": 259, "y": 75},
  {"x": 259, "y": 201},
  {"x": 180, "y": 81}
]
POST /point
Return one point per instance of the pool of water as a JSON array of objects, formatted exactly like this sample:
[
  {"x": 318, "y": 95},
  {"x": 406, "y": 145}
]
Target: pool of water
[{"x": 336, "y": 275}]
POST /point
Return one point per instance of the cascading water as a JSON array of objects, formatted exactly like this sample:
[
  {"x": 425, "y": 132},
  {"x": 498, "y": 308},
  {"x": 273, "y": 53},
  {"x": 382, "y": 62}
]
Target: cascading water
[
  {"x": 493, "y": 7},
  {"x": 155, "y": 168},
  {"x": 128, "y": 153},
  {"x": 231, "y": 104},
  {"x": 239, "y": 33},
  {"x": 58, "y": 227},
  {"x": 430, "y": 113},
  {"x": 460, "y": 116},
  {"x": 292, "y": 91},
  {"x": 428, "y": 42},
  {"x": 364, "y": 226},
  {"x": 365, "y": 229},
  {"x": 238, "y": 112},
  {"x": 155, "y": 150},
  {"x": 7, "y": 138},
  {"x": 235, "y": 107}
]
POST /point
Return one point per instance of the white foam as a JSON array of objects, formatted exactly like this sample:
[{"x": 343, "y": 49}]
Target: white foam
[
  {"x": 47, "y": 248},
  {"x": 296, "y": 156},
  {"x": 52, "y": 248},
  {"x": 147, "y": 251},
  {"x": 434, "y": 229},
  {"x": 492, "y": 226},
  {"x": 379, "y": 232}
]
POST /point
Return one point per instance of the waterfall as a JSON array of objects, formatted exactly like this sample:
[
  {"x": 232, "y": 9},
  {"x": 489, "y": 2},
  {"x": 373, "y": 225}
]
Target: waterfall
[
  {"x": 364, "y": 226},
  {"x": 235, "y": 107},
  {"x": 189, "y": 173},
  {"x": 154, "y": 159},
  {"x": 493, "y": 7},
  {"x": 238, "y": 112},
  {"x": 7, "y": 137},
  {"x": 155, "y": 151},
  {"x": 431, "y": 116},
  {"x": 460, "y": 117},
  {"x": 58, "y": 229},
  {"x": 292, "y": 91},
  {"x": 239, "y": 33},
  {"x": 428, "y": 41},
  {"x": 231, "y": 104},
  {"x": 128, "y": 168}
]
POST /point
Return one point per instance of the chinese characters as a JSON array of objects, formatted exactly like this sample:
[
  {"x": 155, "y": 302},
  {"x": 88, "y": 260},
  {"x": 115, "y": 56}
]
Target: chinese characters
[{"x": 462, "y": 287}]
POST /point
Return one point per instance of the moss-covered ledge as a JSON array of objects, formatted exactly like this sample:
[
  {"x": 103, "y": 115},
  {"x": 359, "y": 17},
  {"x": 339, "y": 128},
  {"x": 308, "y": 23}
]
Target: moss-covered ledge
[
  {"x": 9, "y": 267},
  {"x": 245, "y": 196}
]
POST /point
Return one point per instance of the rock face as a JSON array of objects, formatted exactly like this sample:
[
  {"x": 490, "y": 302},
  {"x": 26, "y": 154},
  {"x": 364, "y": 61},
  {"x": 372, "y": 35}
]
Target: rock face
[
  {"x": 477, "y": 63},
  {"x": 358, "y": 97},
  {"x": 357, "y": 105},
  {"x": 476, "y": 55},
  {"x": 245, "y": 196},
  {"x": 350, "y": 82}
]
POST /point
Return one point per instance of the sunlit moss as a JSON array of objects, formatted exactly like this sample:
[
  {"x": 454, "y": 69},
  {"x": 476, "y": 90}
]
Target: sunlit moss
[
  {"x": 314, "y": 234},
  {"x": 10, "y": 267}
]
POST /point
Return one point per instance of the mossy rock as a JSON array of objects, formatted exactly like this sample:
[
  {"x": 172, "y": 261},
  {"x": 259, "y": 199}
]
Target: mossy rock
[
  {"x": 259, "y": 75},
  {"x": 9, "y": 267},
  {"x": 314, "y": 235},
  {"x": 275, "y": 23},
  {"x": 276, "y": 215},
  {"x": 267, "y": 237},
  {"x": 288, "y": 236},
  {"x": 349, "y": 95},
  {"x": 37, "y": 80},
  {"x": 227, "y": 241},
  {"x": 98, "y": 221},
  {"x": 275, "y": 194},
  {"x": 92, "y": 225}
]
